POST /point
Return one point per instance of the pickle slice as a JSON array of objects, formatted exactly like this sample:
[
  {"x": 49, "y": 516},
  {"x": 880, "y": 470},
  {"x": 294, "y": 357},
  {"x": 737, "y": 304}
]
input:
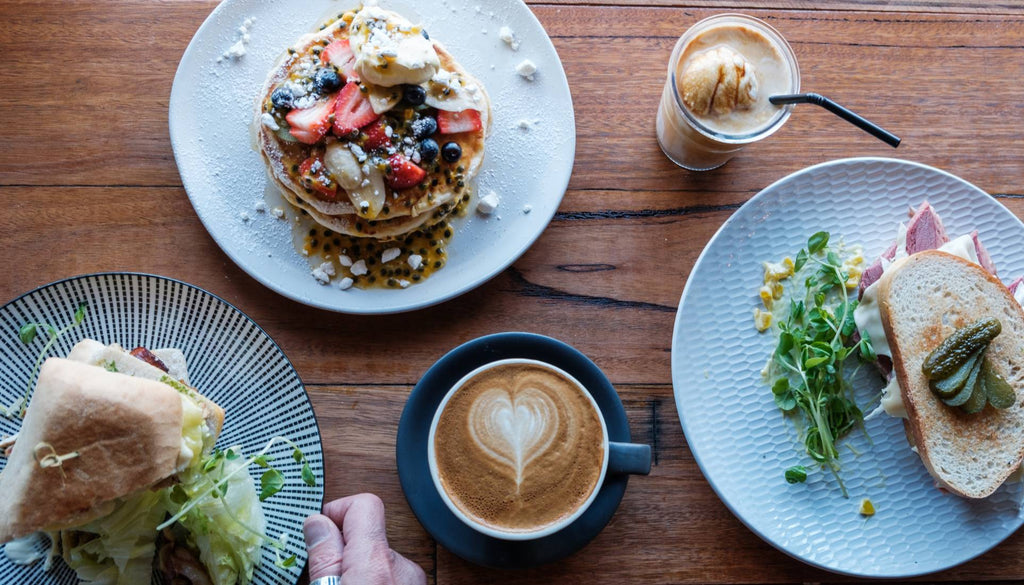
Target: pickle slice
[
  {"x": 964, "y": 394},
  {"x": 956, "y": 349},
  {"x": 999, "y": 392},
  {"x": 978, "y": 399},
  {"x": 949, "y": 387}
]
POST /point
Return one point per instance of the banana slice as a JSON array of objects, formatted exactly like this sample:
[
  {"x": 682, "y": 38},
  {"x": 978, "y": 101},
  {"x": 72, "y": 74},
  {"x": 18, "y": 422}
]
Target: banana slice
[
  {"x": 363, "y": 183},
  {"x": 383, "y": 99}
]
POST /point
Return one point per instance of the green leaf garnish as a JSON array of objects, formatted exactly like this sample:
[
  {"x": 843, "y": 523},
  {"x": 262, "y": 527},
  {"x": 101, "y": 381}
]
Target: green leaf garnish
[
  {"x": 806, "y": 372},
  {"x": 297, "y": 455},
  {"x": 796, "y": 474},
  {"x": 271, "y": 482},
  {"x": 817, "y": 242},
  {"x": 27, "y": 333},
  {"x": 286, "y": 563},
  {"x": 261, "y": 461},
  {"x": 307, "y": 475}
]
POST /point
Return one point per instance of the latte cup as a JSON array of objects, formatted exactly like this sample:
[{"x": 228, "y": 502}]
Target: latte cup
[{"x": 518, "y": 450}]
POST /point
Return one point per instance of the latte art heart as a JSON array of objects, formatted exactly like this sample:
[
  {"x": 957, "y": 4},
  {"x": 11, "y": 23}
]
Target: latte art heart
[
  {"x": 518, "y": 446},
  {"x": 513, "y": 429}
]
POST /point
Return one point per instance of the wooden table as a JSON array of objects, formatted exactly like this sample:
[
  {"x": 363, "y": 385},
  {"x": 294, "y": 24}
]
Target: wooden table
[{"x": 89, "y": 184}]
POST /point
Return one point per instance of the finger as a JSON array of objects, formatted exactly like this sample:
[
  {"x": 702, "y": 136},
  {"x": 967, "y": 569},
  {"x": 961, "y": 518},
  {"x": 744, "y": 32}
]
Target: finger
[
  {"x": 361, "y": 518},
  {"x": 407, "y": 572},
  {"x": 324, "y": 546}
]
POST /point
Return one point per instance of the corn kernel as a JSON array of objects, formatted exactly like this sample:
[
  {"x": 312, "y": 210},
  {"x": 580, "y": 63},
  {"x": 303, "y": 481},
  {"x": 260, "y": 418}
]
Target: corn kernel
[
  {"x": 867, "y": 508},
  {"x": 762, "y": 320},
  {"x": 766, "y": 295}
]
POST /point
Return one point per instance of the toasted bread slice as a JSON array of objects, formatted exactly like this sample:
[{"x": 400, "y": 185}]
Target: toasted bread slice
[{"x": 923, "y": 299}]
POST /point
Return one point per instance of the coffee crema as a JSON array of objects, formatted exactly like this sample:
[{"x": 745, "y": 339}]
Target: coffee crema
[{"x": 519, "y": 447}]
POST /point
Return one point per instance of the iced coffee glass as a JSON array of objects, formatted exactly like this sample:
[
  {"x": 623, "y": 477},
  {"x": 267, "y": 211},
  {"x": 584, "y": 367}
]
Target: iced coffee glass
[{"x": 715, "y": 102}]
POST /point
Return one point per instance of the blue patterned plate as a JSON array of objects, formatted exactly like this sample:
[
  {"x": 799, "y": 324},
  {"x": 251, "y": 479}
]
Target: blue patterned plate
[
  {"x": 741, "y": 440},
  {"x": 230, "y": 359}
]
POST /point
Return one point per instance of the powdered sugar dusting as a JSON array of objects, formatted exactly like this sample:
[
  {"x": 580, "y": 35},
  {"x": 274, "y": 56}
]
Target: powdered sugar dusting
[{"x": 224, "y": 176}]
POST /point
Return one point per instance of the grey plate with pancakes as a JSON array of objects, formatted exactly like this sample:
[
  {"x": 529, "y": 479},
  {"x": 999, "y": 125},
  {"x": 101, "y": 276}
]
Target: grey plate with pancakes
[{"x": 528, "y": 167}]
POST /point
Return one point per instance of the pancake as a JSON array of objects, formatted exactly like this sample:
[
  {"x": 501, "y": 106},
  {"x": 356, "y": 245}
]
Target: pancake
[{"x": 307, "y": 174}]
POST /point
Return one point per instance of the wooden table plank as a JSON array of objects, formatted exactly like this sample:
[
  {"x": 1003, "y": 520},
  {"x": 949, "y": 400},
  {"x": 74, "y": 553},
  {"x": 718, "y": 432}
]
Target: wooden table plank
[
  {"x": 877, "y": 51},
  {"x": 89, "y": 182}
]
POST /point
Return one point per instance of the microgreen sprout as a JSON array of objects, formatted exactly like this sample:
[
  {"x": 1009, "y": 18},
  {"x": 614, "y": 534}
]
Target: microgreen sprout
[
  {"x": 796, "y": 474},
  {"x": 27, "y": 334},
  {"x": 271, "y": 482},
  {"x": 815, "y": 340}
]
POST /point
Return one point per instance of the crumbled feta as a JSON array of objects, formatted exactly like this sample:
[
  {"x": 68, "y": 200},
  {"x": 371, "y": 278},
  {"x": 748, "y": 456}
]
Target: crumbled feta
[
  {"x": 527, "y": 208},
  {"x": 260, "y": 207},
  {"x": 390, "y": 254},
  {"x": 345, "y": 283},
  {"x": 415, "y": 261},
  {"x": 360, "y": 155},
  {"x": 268, "y": 120},
  {"x": 324, "y": 272},
  {"x": 344, "y": 260},
  {"x": 526, "y": 69},
  {"x": 404, "y": 283},
  {"x": 488, "y": 203},
  {"x": 242, "y": 38},
  {"x": 278, "y": 212},
  {"x": 244, "y": 216},
  {"x": 483, "y": 31},
  {"x": 359, "y": 268},
  {"x": 505, "y": 34}
]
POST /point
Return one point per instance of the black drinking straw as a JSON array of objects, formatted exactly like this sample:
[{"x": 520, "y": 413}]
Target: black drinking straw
[{"x": 858, "y": 121}]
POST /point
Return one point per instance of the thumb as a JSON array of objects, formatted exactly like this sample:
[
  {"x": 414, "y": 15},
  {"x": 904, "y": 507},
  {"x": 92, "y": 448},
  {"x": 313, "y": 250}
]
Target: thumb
[{"x": 323, "y": 545}]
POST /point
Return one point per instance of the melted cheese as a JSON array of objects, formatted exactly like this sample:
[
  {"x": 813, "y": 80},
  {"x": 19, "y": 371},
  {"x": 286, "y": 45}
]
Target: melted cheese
[{"x": 869, "y": 318}]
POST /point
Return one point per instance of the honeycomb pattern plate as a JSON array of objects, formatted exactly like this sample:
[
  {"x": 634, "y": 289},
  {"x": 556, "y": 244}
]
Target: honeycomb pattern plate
[{"x": 743, "y": 443}]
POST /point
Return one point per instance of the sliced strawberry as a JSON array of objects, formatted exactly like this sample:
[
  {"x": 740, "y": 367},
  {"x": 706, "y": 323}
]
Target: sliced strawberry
[
  {"x": 314, "y": 175},
  {"x": 340, "y": 54},
  {"x": 353, "y": 110},
  {"x": 310, "y": 125},
  {"x": 455, "y": 122},
  {"x": 376, "y": 136},
  {"x": 404, "y": 173}
]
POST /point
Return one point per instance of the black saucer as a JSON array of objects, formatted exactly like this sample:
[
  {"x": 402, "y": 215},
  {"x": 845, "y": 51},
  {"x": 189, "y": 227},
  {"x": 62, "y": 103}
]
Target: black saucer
[{"x": 414, "y": 471}]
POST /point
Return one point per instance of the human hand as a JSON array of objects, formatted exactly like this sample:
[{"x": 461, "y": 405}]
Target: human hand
[{"x": 349, "y": 540}]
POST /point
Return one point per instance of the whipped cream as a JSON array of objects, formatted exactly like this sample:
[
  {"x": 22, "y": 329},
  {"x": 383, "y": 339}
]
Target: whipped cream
[{"x": 390, "y": 50}]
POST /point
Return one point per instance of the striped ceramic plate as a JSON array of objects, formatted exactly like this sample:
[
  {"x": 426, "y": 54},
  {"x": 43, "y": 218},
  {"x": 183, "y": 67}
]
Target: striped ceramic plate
[{"x": 230, "y": 359}]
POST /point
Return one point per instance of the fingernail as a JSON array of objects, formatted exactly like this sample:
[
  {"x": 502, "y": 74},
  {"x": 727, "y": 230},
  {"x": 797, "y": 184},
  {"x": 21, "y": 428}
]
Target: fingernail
[{"x": 315, "y": 531}]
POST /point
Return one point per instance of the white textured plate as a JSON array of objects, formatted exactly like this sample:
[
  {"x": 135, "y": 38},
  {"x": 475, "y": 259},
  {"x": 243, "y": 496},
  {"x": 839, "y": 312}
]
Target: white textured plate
[
  {"x": 741, "y": 440},
  {"x": 230, "y": 360},
  {"x": 212, "y": 103}
]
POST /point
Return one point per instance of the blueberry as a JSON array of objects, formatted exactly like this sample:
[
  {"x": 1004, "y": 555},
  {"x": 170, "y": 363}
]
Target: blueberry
[
  {"x": 424, "y": 127},
  {"x": 428, "y": 150},
  {"x": 282, "y": 98},
  {"x": 451, "y": 152},
  {"x": 414, "y": 95},
  {"x": 326, "y": 81}
]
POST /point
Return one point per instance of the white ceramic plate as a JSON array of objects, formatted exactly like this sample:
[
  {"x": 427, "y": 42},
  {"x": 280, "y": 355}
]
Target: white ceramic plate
[
  {"x": 230, "y": 359},
  {"x": 212, "y": 103},
  {"x": 741, "y": 440}
]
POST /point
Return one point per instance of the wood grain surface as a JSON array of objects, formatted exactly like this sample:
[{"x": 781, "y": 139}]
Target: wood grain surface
[{"x": 88, "y": 182}]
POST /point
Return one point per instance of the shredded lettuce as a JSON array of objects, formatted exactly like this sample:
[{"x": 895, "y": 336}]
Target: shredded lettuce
[
  {"x": 228, "y": 525},
  {"x": 117, "y": 549}
]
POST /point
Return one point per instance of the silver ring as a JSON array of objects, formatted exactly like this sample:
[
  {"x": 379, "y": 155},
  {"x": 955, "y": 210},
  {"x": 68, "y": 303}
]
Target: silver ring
[{"x": 328, "y": 580}]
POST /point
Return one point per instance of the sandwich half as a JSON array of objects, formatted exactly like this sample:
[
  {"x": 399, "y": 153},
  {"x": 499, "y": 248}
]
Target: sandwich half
[
  {"x": 922, "y": 300},
  {"x": 112, "y": 444}
]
